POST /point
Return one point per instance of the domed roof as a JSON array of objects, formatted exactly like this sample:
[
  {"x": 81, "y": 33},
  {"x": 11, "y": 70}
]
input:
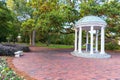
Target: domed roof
[{"x": 91, "y": 21}]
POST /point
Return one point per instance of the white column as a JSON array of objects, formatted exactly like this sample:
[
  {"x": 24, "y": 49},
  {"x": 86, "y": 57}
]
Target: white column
[
  {"x": 87, "y": 40},
  {"x": 96, "y": 45},
  {"x": 80, "y": 40},
  {"x": 91, "y": 42},
  {"x": 102, "y": 41},
  {"x": 75, "y": 43}
]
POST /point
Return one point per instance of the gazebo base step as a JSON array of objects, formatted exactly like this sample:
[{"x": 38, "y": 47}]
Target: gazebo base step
[{"x": 88, "y": 55}]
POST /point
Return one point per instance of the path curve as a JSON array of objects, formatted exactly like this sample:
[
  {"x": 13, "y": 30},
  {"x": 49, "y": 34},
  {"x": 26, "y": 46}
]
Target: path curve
[{"x": 58, "y": 64}]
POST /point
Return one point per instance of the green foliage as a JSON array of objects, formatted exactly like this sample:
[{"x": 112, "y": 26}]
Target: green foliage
[
  {"x": 66, "y": 39},
  {"x": 5, "y": 18},
  {"x": 10, "y": 4},
  {"x": 22, "y": 9},
  {"x": 112, "y": 46},
  {"x": 111, "y": 10},
  {"x": 107, "y": 10},
  {"x": 49, "y": 18},
  {"x": 4, "y": 13},
  {"x": 53, "y": 13},
  {"x": 6, "y": 73},
  {"x": 28, "y": 25},
  {"x": 8, "y": 23},
  {"x": 89, "y": 8}
]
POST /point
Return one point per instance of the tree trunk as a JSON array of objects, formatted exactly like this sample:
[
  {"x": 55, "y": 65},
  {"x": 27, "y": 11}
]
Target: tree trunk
[
  {"x": 48, "y": 38},
  {"x": 30, "y": 36},
  {"x": 33, "y": 38}
]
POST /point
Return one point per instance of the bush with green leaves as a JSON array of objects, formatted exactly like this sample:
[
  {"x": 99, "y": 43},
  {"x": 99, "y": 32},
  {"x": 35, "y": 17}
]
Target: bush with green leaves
[
  {"x": 112, "y": 46},
  {"x": 6, "y": 73}
]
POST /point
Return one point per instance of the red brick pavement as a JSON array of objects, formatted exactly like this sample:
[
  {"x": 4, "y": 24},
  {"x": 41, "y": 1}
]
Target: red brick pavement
[{"x": 51, "y": 64}]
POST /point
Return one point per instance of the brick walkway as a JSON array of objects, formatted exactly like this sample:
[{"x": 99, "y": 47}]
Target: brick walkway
[{"x": 48, "y": 64}]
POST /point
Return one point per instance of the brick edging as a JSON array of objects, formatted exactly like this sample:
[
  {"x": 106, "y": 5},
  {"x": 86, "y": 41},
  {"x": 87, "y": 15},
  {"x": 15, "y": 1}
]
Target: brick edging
[{"x": 18, "y": 72}]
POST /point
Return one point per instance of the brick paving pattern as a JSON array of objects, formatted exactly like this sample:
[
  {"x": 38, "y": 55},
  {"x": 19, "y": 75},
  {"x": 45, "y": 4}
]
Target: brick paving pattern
[{"x": 59, "y": 64}]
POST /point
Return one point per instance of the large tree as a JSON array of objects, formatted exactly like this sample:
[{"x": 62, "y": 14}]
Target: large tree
[
  {"x": 108, "y": 10},
  {"x": 5, "y": 20},
  {"x": 52, "y": 15},
  {"x": 24, "y": 13}
]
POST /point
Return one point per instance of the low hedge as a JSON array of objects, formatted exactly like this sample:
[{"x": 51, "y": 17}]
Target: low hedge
[
  {"x": 24, "y": 48},
  {"x": 9, "y": 49}
]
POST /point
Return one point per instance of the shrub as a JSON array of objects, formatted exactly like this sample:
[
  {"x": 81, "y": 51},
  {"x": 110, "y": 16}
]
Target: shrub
[
  {"x": 112, "y": 46},
  {"x": 24, "y": 48},
  {"x": 9, "y": 49},
  {"x": 6, "y": 73}
]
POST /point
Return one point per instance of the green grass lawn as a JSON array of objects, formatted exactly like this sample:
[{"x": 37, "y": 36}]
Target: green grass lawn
[
  {"x": 62, "y": 46},
  {"x": 54, "y": 45}
]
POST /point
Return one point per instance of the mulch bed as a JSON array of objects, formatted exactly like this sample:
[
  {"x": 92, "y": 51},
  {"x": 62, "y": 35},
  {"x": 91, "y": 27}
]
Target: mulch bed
[{"x": 19, "y": 73}]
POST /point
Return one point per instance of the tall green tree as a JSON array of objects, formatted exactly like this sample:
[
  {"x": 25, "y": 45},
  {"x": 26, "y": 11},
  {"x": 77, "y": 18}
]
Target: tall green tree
[
  {"x": 108, "y": 10},
  {"x": 24, "y": 13},
  {"x": 52, "y": 15},
  {"x": 28, "y": 27},
  {"x": 14, "y": 24},
  {"x": 5, "y": 20}
]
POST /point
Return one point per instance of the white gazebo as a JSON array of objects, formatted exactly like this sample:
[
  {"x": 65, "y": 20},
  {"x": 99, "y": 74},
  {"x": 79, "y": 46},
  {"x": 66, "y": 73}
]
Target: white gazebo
[{"x": 93, "y": 25}]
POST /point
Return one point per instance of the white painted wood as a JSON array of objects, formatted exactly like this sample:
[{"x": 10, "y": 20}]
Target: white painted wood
[
  {"x": 87, "y": 40},
  {"x": 80, "y": 40},
  {"x": 75, "y": 43},
  {"x": 102, "y": 40},
  {"x": 96, "y": 45},
  {"x": 91, "y": 42}
]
